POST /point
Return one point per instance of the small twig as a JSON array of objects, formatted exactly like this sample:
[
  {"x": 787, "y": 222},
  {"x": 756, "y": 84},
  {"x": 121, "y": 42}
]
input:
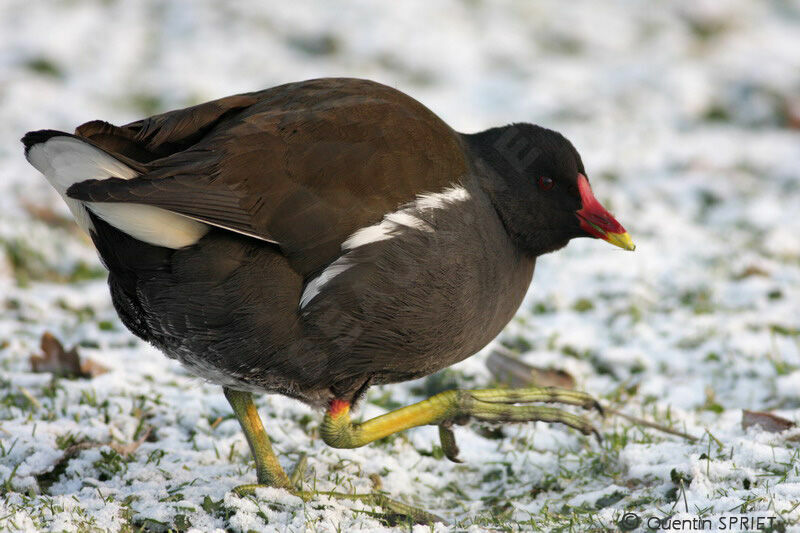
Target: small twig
[
  {"x": 130, "y": 448},
  {"x": 652, "y": 425},
  {"x": 122, "y": 449}
]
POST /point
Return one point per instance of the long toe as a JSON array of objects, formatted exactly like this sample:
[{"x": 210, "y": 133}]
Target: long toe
[
  {"x": 528, "y": 413},
  {"x": 537, "y": 394},
  {"x": 392, "y": 508}
]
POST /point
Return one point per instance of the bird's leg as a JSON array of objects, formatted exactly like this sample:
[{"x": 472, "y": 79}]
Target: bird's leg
[
  {"x": 270, "y": 473},
  {"x": 268, "y": 469},
  {"x": 490, "y": 405}
]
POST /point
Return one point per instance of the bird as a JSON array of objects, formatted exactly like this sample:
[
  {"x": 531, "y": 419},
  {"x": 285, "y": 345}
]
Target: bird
[{"x": 317, "y": 238}]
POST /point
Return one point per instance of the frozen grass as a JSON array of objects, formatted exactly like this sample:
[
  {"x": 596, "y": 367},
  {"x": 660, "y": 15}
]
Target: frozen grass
[{"x": 686, "y": 116}]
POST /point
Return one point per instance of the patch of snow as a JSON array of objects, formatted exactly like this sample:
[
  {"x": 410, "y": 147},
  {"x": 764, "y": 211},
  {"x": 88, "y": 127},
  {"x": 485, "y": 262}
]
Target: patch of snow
[{"x": 686, "y": 119}]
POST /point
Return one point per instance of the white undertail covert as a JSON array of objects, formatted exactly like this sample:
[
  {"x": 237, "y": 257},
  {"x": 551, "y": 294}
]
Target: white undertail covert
[{"x": 65, "y": 160}]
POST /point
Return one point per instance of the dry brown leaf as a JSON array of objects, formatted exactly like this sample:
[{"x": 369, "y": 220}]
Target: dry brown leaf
[
  {"x": 767, "y": 421},
  {"x": 793, "y": 114},
  {"x": 64, "y": 363},
  {"x": 508, "y": 369},
  {"x": 752, "y": 270},
  {"x": 48, "y": 215},
  {"x": 56, "y": 359},
  {"x": 91, "y": 368}
]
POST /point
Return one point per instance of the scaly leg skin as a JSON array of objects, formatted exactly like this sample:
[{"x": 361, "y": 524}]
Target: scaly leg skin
[
  {"x": 270, "y": 473},
  {"x": 268, "y": 469},
  {"x": 455, "y": 406}
]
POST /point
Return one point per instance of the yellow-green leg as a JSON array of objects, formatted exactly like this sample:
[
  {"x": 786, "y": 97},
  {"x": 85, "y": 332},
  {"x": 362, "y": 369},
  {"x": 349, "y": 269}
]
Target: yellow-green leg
[
  {"x": 455, "y": 406},
  {"x": 268, "y": 469},
  {"x": 270, "y": 473}
]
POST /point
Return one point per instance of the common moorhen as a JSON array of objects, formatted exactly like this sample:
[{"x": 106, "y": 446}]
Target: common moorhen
[{"x": 319, "y": 237}]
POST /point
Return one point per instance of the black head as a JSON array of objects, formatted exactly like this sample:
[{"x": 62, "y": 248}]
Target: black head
[{"x": 538, "y": 185}]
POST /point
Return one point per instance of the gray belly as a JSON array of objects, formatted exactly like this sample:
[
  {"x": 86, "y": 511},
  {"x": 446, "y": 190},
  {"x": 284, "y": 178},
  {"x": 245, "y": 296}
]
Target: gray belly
[{"x": 406, "y": 306}]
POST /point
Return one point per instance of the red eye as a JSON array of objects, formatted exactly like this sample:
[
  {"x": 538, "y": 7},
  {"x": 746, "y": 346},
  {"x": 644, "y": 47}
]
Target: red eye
[{"x": 546, "y": 183}]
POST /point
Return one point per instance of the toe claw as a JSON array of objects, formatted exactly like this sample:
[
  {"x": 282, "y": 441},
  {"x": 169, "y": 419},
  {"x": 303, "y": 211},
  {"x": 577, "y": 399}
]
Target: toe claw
[
  {"x": 597, "y": 436},
  {"x": 448, "y": 441},
  {"x": 599, "y": 408},
  {"x": 246, "y": 490}
]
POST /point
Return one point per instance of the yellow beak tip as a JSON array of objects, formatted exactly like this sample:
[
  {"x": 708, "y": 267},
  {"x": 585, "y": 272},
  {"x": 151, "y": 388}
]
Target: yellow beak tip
[{"x": 623, "y": 240}]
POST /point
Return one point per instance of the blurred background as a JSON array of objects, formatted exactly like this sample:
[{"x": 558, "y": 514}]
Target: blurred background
[{"x": 687, "y": 116}]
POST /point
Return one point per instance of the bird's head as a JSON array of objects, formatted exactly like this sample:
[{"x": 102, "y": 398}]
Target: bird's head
[{"x": 538, "y": 185}]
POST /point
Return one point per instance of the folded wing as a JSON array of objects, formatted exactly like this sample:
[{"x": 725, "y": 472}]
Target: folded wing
[{"x": 302, "y": 165}]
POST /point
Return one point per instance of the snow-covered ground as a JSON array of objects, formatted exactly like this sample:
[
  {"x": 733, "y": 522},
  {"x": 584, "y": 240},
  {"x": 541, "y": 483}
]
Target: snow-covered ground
[{"x": 687, "y": 115}]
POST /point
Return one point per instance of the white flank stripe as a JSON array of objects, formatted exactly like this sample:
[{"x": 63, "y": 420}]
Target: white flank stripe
[
  {"x": 441, "y": 199},
  {"x": 393, "y": 224},
  {"x": 315, "y": 285}
]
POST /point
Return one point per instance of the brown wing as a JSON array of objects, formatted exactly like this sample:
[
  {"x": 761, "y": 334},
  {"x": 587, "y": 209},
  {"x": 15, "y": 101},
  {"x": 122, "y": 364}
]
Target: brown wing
[
  {"x": 165, "y": 134},
  {"x": 303, "y": 165}
]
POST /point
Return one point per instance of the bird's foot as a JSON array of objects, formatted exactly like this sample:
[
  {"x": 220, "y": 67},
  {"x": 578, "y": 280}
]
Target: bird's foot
[
  {"x": 458, "y": 407},
  {"x": 269, "y": 479},
  {"x": 398, "y": 511},
  {"x": 393, "y": 509},
  {"x": 508, "y": 405}
]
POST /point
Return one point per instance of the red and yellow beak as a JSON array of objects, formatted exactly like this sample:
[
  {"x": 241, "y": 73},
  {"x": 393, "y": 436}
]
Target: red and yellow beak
[{"x": 597, "y": 221}]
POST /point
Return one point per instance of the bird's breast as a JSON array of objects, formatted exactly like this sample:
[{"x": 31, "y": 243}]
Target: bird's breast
[{"x": 427, "y": 286}]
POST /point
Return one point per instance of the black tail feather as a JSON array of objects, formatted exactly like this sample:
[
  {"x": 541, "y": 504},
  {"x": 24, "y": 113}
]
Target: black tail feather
[{"x": 33, "y": 138}]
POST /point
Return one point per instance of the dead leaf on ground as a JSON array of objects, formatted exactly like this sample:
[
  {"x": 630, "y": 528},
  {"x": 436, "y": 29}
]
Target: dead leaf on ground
[
  {"x": 507, "y": 368},
  {"x": 768, "y": 422},
  {"x": 91, "y": 368},
  {"x": 55, "y": 359},
  {"x": 752, "y": 270},
  {"x": 64, "y": 363}
]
